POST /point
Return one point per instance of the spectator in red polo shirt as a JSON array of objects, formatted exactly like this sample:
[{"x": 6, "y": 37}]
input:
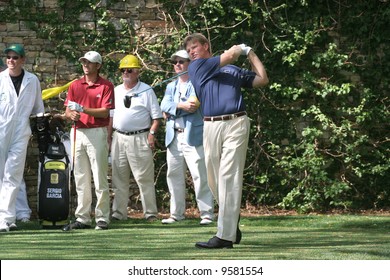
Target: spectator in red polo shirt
[{"x": 88, "y": 104}]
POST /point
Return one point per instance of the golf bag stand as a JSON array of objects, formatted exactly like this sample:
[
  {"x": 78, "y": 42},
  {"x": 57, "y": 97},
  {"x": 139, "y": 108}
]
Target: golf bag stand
[{"x": 53, "y": 178}]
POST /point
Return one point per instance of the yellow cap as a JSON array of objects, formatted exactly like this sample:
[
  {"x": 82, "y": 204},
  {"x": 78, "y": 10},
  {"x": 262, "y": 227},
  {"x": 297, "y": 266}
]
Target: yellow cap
[{"x": 129, "y": 61}]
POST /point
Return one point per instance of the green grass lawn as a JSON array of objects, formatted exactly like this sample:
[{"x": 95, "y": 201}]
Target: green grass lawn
[{"x": 295, "y": 237}]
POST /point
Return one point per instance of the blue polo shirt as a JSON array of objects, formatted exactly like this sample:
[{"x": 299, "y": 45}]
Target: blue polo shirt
[{"x": 219, "y": 88}]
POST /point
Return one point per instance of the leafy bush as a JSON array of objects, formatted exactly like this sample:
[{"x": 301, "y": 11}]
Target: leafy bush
[{"x": 320, "y": 131}]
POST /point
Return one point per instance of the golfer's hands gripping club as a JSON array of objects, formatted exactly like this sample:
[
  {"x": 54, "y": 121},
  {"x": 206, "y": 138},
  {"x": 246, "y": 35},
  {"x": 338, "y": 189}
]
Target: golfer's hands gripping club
[
  {"x": 74, "y": 110},
  {"x": 245, "y": 49},
  {"x": 75, "y": 106}
]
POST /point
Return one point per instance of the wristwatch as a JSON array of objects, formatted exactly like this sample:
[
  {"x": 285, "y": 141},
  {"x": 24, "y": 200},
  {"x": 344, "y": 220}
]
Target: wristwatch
[{"x": 152, "y": 132}]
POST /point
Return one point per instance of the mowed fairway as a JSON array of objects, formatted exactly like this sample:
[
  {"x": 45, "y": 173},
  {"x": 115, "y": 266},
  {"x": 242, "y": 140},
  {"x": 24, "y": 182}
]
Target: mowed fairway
[{"x": 295, "y": 237}]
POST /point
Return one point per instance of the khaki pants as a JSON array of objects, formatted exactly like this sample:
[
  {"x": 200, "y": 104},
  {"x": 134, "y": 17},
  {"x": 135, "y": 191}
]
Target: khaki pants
[
  {"x": 91, "y": 154},
  {"x": 225, "y": 144},
  {"x": 131, "y": 153}
]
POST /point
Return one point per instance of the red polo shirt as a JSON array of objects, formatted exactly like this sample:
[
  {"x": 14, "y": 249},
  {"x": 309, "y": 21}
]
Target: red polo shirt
[{"x": 98, "y": 95}]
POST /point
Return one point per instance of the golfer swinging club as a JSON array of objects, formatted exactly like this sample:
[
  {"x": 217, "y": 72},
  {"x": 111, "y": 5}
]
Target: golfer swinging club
[{"x": 226, "y": 127}]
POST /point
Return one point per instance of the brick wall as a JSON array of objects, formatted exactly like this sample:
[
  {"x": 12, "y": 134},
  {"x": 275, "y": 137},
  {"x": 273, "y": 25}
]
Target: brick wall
[{"x": 143, "y": 15}]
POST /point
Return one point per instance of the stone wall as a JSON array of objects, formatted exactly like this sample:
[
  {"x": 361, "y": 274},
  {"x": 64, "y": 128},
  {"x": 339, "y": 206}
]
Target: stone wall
[{"x": 143, "y": 15}]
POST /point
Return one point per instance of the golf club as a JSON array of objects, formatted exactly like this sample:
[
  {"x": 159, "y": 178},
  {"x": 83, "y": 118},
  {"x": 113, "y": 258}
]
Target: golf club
[{"x": 127, "y": 98}]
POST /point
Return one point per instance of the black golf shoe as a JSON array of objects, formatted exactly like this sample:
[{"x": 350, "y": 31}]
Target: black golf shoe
[
  {"x": 215, "y": 243},
  {"x": 238, "y": 236},
  {"x": 75, "y": 225}
]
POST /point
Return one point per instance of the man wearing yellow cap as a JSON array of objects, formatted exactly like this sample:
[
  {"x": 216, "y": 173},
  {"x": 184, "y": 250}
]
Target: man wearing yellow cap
[{"x": 134, "y": 123}]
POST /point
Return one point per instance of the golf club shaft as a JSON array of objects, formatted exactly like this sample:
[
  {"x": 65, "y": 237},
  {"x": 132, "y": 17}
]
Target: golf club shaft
[
  {"x": 163, "y": 82},
  {"x": 74, "y": 144}
]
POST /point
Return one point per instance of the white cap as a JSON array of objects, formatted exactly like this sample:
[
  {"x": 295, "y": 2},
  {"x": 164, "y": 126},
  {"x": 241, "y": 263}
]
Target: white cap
[
  {"x": 181, "y": 53},
  {"x": 93, "y": 57}
]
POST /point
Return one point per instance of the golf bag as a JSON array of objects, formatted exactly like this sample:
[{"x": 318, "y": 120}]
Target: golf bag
[{"x": 53, "y": 179}]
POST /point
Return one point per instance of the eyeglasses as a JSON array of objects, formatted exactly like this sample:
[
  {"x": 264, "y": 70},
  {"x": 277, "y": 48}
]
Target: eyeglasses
[
  {"x": 125, "y": 70},
  {"x": 174, "y": 62},
  {"x": 13, "y": 57}
]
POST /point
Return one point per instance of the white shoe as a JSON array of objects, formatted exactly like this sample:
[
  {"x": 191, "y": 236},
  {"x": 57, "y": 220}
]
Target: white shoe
[
  {"x": 4, "y": 226},
  {"x": 12, "y": 226},
  {"x": 170, "y": 220},
  {"x": 205, "y": 221},
  {"x": 25, "y": 220}
]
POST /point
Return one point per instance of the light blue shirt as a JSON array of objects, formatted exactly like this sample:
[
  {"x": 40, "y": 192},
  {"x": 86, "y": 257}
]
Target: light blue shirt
[{"x": 193, "y": 122}]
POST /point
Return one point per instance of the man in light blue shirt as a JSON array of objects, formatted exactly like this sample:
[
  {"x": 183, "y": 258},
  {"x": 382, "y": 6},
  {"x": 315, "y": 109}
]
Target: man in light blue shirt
[{"x": 184, "y": 142}]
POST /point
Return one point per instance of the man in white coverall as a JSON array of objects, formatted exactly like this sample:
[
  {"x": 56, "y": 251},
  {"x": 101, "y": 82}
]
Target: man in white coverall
[
  {"x": 20, "y": 96},
  {"x": 23, "y": 211}
]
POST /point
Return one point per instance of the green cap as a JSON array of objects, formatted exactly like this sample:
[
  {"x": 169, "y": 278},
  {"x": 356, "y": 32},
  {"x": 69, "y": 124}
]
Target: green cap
[{"x": 16, "y": 48}]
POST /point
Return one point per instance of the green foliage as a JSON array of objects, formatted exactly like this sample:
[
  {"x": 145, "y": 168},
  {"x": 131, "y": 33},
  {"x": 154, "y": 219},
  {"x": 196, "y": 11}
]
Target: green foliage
[
  {"x": 340, "y": 151},
  {"x": 320, "y": 137},
  {"x": 320, "y": 131}
]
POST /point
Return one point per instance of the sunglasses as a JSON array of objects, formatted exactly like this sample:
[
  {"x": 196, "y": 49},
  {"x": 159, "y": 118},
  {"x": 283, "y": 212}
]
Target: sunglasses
[
  {"x": 125, "y": 70},
  {"x": 13, "y": 57},
  {"x": 174, "y": 62}
]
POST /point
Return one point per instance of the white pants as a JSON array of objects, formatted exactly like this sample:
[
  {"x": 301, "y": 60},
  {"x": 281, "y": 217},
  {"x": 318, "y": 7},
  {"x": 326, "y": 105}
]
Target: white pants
[
  {"x": 23, "y": 211},
  {"x": 180, "y": 155},
  {"x": 131, "y": 153},
  {"x": 225, "y": 144},
  {"x": 12, "y": 162},
  {"x": 91, "y": 154}
]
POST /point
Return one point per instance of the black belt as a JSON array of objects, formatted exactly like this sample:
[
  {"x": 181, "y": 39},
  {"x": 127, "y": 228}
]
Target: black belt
[
  {"x": 132, "y": 132},
  {"x": 179, "y": 130},
  {"x": 224, "y": 117}
]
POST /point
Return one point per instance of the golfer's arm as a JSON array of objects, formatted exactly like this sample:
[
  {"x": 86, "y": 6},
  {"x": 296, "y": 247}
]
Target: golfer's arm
[
  {"x": 230, "y": 56},
  {"x": 97, "y": 112},
  {"x": 261, "y": 78}
]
